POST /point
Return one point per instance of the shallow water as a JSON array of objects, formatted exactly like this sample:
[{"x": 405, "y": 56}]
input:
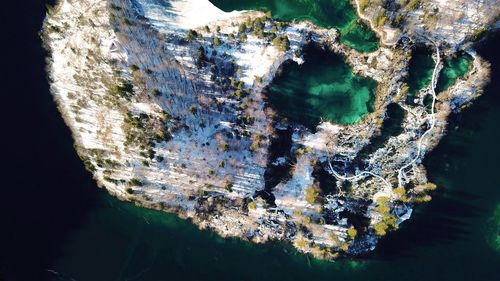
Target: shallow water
[
  {"x": 453, "y": 68},
  {"x": 325, "y": 13},
  {"x": 322, "y": 87},
  {"x": 55, "y": 218}
]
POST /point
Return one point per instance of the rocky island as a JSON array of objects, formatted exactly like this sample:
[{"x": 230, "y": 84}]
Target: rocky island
[{"x": 175, "y": 105}]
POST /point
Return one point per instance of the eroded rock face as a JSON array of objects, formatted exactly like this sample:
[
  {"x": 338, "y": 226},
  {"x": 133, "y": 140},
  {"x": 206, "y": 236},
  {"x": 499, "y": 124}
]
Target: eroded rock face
[{"x": 167, "y": 109}]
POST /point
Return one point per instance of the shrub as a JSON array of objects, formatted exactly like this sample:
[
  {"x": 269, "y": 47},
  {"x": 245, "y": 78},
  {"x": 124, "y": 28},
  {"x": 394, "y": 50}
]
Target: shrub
[
  {"x": 363, "y": 4},
  {"x": 191, "y": 35},
  {"x": 307, "y": 220},
  {"x": 381, "y": 18},
  {"x": 380, "y": 228},
  {"x": 352, "y": 232},
  {"x": 413, "y": 4},
  {"x": 135, "y": 182},
  {"x": 216, "y": 41},
  {"x": 300, "y": 243},
  {"x": 156, "y": 93},
  {"x": 193, "y": 109},
  {"x": 311, "y": 195},
  {"x": 201, "y": 58},
  {"x": 243, "y": 38},
  {"x": 252, "y": 205},
  {"x": 129, "y": 190},
  {"x": 281, "y": 43},
  {"x": 242, "y": 28},
  {"x": 228, "y": 186},
  {"x": 224, "y": 146}
]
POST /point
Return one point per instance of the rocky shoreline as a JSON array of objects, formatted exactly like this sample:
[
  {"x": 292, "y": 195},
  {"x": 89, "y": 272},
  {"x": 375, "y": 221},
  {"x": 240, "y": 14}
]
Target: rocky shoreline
[{"x": 173, "y": 117}]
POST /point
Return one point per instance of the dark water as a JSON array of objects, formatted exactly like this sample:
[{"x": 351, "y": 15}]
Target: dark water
[
  {"x": 325, "y": 13},
  {"x": 323, "y": 87},
  {"x": 54, "y": 217},
  {"x": 420, "y": 70}
]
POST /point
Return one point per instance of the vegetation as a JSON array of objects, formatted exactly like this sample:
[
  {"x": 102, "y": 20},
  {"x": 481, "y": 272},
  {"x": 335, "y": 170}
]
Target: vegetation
[
  {"x": 156, "y": 92},
  {"x": 216, "y": 41},
  {"x": 129, "y": 190},
  {"x": 282, "y": 43},
  {"x": 124, "y": 89},
  {"x": 381, "y": 18},
  {"x": 201, "y": 58},
  {"x": 191, "y": 35},
  {"x": 413, "y": 4},
  {"x": 243, "y": 38},
  {"x": 192, "y": 109},
  {"x": 252, "y": 205},
  {"x": 363, "y": 4},
  {"x": 311, "y": 195},
  {"x": 352, "y": 232},
  {"x": 382, "y": 205},
  {"x": 135, "y": 182},
  {"x": 242, "y": 28}
]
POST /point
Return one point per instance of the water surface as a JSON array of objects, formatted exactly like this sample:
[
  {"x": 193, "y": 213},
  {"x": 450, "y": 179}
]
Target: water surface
[
  {"x": 323, "y": 87},
  {"x": 339, "y": 14}
]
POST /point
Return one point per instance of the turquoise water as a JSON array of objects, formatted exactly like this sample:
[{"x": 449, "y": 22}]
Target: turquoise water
[
  {"x": 325, "y": 13},
  {"x": 322, "y": 87},
  {"x": 453, "y": 68}
]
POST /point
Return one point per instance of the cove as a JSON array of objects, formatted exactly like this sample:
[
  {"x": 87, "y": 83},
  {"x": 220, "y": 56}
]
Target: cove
[
  {"x": 339, "y": 14},
  {"x": 453, "y": 68},
  {"x": 322, "y": 87},
  {"x": 420, "y": 71}
]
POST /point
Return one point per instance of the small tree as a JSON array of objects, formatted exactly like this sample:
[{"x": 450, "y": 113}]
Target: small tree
[
  {"x": 242, "y": 28},
  {"x": 311, "y": 195},
  {"x": 216, "y": 41},
  {"x": 191, "y": 35},
  {"x": 252, "y": 205},
  {"x": 243, "y": 38},
  {"x": 352, "y": 232},
  {"x": 201, "y": 58},
  {"x": 156, "y": 92},
  {"x": 193, "y": 109}
]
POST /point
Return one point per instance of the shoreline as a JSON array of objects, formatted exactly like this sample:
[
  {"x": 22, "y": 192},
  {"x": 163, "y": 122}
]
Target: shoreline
[{"x": 204, "y": 211}]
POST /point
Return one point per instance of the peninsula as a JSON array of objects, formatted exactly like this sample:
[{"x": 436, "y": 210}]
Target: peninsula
[{"x": 260, "y": 128}]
